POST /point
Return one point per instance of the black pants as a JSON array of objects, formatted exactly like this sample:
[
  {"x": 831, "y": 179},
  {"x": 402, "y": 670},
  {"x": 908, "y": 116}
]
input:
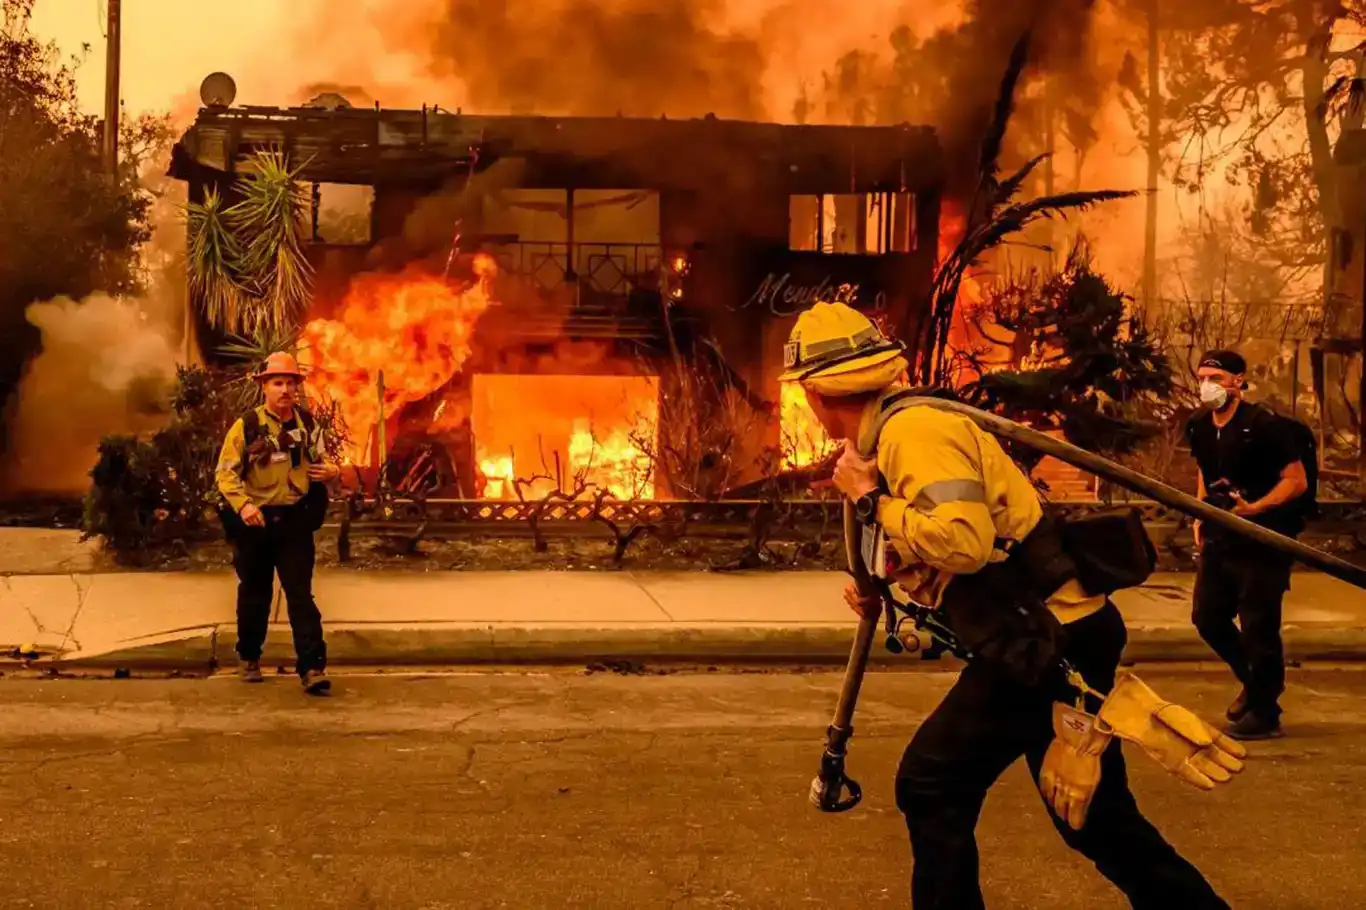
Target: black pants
[
  {"x": 981, "y": 727},
  {"x": 1247, "y": 582},
  {"x": 284, "y": 545}
]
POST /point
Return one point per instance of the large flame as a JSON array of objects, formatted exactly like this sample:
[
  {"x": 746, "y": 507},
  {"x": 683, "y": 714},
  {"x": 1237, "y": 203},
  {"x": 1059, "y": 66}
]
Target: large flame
[
  {"x": 542, "y": 434},
  {"x": 415, "y": 329}
]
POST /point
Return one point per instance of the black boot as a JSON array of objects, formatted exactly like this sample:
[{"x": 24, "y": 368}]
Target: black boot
[
  {"x": 1254, "y": 726},
  {"x": 1236, "y": 710}
]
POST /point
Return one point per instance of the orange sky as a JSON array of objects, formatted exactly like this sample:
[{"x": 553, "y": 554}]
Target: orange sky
[{"x": 169, "y": 46}]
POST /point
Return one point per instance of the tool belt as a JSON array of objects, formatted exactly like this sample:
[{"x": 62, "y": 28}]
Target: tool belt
[{"x": 1000, "y": 613}]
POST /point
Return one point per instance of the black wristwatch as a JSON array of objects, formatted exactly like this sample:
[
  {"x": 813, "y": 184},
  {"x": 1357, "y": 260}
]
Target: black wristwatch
[{"x": 865, "y": 507}]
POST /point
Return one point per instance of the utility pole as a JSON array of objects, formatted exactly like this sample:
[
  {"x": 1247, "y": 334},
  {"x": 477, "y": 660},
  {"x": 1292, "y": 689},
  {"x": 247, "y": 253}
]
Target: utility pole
[
  {"x": 111, "y": 90},
  {"x": 1154, "y": 162}
]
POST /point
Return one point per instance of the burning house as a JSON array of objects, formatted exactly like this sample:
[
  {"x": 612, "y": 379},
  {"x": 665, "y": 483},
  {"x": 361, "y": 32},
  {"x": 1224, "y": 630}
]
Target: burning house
[{"x": 505, "y": 299}]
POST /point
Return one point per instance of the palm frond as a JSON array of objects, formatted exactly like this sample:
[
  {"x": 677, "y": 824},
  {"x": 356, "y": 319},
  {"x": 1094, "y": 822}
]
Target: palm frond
[
  {"x": 212, "y": 262},
  {"x": 989, "y": 163},
  {"x": 270, "y": 217},
  {"x": 1012, "y": 184}
]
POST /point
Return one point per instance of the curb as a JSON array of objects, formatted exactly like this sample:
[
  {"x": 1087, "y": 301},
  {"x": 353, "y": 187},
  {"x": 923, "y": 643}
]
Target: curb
[{"x": 474, "y": 645}]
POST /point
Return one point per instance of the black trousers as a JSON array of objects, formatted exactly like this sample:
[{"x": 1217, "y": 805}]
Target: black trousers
[
  {"x": 283, "y": 546},
  {"x": 1247, "y": 582},
  {"x": 984, "y": 724}
]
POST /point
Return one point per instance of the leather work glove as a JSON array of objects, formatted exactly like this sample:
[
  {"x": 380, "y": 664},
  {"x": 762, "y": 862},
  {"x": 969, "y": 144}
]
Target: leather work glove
[
  {"x": 1171, "y": 735},
  {"x": 1070, "y": 772}
]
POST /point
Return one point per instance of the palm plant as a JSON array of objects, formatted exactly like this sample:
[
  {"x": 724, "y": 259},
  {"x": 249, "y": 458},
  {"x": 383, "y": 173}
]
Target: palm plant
[
  {"x": 246, "y": 261},
  {"x": 994, "y": 216},
  {"x": 214, "y": 258},
  {"x": 270, "y": 217}
]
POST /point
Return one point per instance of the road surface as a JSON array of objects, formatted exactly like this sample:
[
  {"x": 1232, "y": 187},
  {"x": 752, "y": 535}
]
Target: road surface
[{"x": 565, "y": 789}]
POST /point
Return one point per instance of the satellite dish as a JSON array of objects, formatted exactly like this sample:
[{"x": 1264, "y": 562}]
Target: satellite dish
[{"x": 217, "y": 90}]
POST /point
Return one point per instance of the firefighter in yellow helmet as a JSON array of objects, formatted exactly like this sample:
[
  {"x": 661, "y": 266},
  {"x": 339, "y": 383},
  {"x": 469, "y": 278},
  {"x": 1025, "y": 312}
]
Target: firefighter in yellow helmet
[{"x": 960, "y": 528}]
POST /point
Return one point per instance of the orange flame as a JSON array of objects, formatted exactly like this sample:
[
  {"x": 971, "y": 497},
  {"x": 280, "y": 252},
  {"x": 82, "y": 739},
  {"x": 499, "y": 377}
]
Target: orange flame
[
  {"x": 804, "y": 440},
  {"x": 963, "y": 335},
  {"x": 416, "y": 329},
  {"x": 596, "y": 430}
]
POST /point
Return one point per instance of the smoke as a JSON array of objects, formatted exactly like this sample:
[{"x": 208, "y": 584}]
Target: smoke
[
  {"x": 105, "y": 368},
  {"x": 636, "y": 57}
]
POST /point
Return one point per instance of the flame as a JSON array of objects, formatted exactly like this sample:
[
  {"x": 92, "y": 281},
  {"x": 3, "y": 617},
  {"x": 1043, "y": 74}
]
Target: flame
[
  {"x": 415, "y": 329},
  {"x": 963, "y": 335},
  {"x": 804, "y": 440},
  {"x": 555, "y": 433}
]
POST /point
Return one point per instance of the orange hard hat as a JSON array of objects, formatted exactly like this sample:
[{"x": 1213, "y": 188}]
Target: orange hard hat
[{"x": 280, "y": 364}]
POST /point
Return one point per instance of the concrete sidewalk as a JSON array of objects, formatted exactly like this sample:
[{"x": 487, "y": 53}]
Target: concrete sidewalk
[{"x": 186, "y": 619}]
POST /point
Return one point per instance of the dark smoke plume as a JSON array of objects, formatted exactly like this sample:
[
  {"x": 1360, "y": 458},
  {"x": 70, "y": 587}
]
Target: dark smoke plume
[{"x": 641, "y": 58}]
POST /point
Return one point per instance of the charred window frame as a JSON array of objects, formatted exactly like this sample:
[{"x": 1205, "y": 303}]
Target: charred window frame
[
  {"x": 852, "y": 223},
  {"x": 342, "y": 214}
]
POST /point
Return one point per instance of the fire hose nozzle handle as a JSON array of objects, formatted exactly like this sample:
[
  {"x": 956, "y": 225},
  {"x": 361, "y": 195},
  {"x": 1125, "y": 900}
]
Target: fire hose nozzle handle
[{"x": 827, "y": 786}]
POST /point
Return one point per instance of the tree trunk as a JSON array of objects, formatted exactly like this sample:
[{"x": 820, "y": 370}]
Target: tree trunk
[
  {"x": 1149, "y": 292},
  {"x": 1315, "y": 72}
]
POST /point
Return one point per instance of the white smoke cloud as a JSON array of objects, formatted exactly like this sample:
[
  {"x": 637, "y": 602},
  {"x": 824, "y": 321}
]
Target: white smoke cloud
[{"x": 106, "y": 366}]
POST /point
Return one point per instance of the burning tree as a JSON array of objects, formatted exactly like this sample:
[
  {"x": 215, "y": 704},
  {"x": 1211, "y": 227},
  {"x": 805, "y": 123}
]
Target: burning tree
[
  {"x": 994, "y": 215},
  {"x": 1068, "y": 352}
]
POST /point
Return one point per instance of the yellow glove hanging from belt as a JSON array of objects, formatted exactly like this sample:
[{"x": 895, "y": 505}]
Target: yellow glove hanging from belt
[
  {"x": 1174, "y": 737},
  {"x": 1070, "y": 772}
]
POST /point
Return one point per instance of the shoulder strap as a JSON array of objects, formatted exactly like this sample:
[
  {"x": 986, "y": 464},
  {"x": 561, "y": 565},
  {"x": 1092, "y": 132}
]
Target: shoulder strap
[
  {"x": 251, "y": 426},
  {"x": 306, "y": 417},
  {"x": 895, "y": 404},
  {"x": 251, "y": 429}
]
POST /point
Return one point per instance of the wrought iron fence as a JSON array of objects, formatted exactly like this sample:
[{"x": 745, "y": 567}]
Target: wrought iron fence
[{"x": 783, "y": 520}]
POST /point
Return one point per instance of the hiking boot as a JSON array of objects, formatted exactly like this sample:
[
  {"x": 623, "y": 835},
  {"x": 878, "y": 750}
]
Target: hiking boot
[
  {"x": 316, "y": 682},
  {"x": 251, "y": 671},
  {"x": 1236, "y": 710},
  {"x": 1251, "y": 726}
]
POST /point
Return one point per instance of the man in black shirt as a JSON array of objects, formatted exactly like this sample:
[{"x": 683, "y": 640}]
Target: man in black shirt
[{"x": 1249, "y": 464}]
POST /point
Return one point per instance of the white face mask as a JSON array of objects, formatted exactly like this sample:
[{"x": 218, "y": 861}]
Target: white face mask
[{"x": 1213, "y": 394}]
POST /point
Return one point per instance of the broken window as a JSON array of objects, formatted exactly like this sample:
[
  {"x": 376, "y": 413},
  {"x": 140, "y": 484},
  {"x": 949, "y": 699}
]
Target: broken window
[
  {"x": 862, "y": 223},
  {"x": 342, "y": 213}
]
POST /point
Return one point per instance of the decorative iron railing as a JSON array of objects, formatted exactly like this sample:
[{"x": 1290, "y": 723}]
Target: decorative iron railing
[{"x": 605, "y": 268}]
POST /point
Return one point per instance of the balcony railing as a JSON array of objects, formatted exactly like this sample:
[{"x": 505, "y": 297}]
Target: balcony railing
[{"x": 604, "y": 268}]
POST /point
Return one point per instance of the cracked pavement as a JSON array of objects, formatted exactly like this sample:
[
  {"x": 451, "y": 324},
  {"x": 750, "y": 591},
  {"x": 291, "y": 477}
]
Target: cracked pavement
[{"x": 557, "y": 789}]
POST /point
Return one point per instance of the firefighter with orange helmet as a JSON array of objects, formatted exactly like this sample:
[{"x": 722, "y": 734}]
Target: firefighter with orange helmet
[
  {"x": 272, "y": 475},
  {"x": 960, "y": 528}
]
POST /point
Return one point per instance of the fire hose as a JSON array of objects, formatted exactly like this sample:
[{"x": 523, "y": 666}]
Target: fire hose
[{"x": 830, "y": 783}]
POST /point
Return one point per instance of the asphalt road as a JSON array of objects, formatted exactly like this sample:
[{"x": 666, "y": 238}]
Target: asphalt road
[{"x": 561, "y": 789}]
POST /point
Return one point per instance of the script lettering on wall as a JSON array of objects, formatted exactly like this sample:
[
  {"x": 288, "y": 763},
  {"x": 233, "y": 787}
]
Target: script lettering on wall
[{"x": 783, "y": 295}]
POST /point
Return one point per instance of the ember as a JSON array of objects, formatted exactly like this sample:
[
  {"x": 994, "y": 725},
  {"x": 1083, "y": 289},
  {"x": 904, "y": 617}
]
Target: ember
[{"x": 416, "y": 329}]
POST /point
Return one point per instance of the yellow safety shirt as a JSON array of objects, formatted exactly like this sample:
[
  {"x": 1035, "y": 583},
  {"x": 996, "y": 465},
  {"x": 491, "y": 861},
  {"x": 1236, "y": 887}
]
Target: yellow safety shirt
[
  {"x": 954, "y": 495},
  {"x": 272, "y": 479}
]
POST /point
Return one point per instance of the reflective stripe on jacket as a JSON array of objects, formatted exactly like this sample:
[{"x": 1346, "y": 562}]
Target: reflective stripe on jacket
[{"x": 956, "y": 501}]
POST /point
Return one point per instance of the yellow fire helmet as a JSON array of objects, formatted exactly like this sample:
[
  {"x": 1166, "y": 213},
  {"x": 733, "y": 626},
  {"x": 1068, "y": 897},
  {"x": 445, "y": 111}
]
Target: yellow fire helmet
[{"x": 834, "y": 339}]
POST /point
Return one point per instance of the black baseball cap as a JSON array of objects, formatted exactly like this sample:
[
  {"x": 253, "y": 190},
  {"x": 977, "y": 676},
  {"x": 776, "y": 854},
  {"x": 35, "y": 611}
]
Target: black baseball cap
[{"x": 1228, "y": 361}]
